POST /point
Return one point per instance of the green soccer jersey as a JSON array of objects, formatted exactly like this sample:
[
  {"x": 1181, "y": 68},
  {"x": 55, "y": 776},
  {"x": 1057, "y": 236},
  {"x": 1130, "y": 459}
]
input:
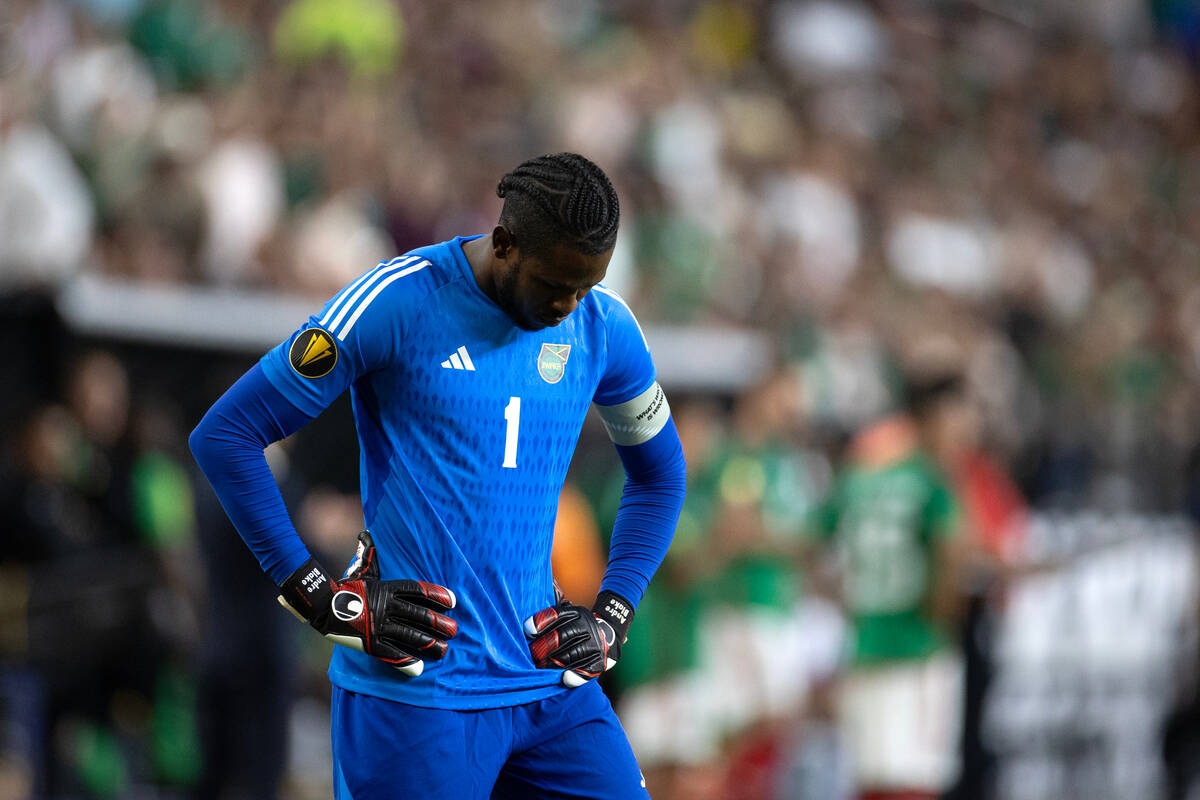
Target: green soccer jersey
[{"x": 887, "y": 522}]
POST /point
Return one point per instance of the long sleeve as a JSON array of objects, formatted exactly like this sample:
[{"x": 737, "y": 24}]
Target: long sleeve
[
  {"x": 655, "y": 484},
  {"x": 228, "y": 445}
]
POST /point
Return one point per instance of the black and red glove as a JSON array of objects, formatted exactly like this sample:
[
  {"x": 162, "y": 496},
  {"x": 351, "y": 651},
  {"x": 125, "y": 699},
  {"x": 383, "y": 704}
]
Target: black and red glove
[
  {"x": 581, "y": 642},
  {"x": 395, "y": 621}
]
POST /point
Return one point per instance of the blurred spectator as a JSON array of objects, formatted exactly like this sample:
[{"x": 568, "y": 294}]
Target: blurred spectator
[
  {"x": 764, "y": 486},
  {"x": 819, "y": 224},
  {"x": 46, "y": 216},
  {"x": 187, "y": 45},
  {"x": 994, "y": 524},
  {"x": 368, "y": 34},
  {"x": 894, "y": 519},
  {"x": 242, "y": 184},
  {"x": 333, "y": 241}
]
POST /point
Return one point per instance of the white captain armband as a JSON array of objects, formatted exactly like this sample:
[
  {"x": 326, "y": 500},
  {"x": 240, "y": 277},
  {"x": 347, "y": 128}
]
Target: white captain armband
[{"x": 637, "y": 420}]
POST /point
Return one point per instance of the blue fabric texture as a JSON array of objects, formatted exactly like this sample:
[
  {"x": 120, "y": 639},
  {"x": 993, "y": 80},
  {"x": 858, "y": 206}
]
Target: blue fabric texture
[{"x": 569, "y": 745}]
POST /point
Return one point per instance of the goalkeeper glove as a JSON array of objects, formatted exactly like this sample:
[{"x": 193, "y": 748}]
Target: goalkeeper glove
[
  {"x": 395, "y": 621},
  {"x": 580, "y": 642}
]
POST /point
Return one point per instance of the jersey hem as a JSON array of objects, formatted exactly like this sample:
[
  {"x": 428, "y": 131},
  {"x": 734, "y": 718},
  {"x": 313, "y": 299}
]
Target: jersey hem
[{"x": 474, "y": 702}]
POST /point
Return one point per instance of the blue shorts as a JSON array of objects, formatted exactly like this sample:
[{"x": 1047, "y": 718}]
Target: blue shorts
[{"x": 566, "y": 746}]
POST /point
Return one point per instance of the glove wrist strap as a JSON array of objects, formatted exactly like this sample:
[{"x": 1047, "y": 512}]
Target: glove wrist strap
[
  {"x": 309, "y": 591},
  {"x": 616, "y": 611}
]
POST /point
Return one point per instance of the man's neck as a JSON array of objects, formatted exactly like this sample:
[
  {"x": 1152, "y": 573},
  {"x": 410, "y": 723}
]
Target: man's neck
[{"x": 479, "y": 256}]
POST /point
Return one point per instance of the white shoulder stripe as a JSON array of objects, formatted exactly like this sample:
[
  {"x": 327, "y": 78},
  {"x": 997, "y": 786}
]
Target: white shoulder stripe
[
  {"x": 346, "y": 292},
  {"x": 349, "y": 290},
  {"x": 352, "y": 293},
  {"x": 605, "y": 290},
  {"x": 372, "y": 279},
  {"x": 420, "y": 265}
]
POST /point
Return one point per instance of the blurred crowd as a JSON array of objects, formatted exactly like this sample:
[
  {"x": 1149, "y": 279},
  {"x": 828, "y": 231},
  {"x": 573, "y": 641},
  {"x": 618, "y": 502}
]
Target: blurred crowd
[
  {"x": 970, "y": 230},
  {"x": 1006, "y": 189}
]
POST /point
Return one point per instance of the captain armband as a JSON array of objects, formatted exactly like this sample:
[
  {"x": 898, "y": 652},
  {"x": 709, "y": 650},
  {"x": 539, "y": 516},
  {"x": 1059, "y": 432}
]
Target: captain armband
[{"x": 637, "y": 420}]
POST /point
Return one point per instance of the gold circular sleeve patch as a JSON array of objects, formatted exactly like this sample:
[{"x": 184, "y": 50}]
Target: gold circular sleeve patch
[{"x": 313, "y": 353}]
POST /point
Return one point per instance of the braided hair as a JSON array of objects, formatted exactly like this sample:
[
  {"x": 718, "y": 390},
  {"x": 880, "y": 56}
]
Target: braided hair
[{"x": 560, "y": 198}]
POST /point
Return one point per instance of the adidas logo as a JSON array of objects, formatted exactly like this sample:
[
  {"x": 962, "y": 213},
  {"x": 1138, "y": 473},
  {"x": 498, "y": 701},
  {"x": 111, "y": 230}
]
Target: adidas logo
[{"x": 459, "y": 360}]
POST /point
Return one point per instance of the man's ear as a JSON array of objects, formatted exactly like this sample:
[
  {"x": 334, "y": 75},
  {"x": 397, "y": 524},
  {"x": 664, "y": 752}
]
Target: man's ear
[{"x": 503, "y": 242}]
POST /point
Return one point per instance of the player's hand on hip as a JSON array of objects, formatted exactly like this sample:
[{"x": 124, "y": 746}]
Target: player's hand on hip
[
  {"x": 581, "y": 642},
  {"x": 396, "y": 621}
]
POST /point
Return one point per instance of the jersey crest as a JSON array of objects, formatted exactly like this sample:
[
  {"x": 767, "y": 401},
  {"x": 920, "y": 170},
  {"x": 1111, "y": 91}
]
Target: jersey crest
[{"x": 552, "y": 361}]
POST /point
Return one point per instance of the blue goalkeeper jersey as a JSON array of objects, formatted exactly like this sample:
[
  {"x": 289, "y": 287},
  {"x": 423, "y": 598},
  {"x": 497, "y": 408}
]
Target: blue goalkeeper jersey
[{"x": 466, "y": 427}]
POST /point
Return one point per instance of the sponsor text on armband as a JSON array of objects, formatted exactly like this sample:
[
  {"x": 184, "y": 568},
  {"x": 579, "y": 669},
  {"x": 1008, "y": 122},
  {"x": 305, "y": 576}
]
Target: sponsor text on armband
[{"x": 637, "y": 420}]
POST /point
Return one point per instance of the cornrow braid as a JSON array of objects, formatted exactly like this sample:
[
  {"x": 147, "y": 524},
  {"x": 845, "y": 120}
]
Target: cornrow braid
[{"x": 561, "y": 197}]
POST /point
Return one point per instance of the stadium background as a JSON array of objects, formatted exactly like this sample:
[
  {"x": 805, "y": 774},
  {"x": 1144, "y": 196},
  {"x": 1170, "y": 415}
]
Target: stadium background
[{"x": 824, "y": 203}]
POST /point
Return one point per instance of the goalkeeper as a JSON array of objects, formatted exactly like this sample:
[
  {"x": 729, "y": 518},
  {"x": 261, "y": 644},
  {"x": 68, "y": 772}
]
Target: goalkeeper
[{"x": 471, "y": 365}]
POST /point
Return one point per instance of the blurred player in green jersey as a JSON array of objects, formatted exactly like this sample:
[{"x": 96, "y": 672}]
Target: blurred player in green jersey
[{"x": 893, "y": 519}]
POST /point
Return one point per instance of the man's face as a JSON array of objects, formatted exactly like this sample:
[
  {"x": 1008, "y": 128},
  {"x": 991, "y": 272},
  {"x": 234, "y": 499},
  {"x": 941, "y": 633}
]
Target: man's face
[{"x": 539, "y": 291}]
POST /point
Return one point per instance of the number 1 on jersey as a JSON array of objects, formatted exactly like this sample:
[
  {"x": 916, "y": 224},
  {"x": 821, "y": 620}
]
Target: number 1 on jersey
[{"x": 512, "y": 415}]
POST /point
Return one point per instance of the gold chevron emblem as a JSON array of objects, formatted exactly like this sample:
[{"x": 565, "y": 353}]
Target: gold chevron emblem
[
  {"x": 318, "y": 347},
  {"x": 313, "y": 353}
]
